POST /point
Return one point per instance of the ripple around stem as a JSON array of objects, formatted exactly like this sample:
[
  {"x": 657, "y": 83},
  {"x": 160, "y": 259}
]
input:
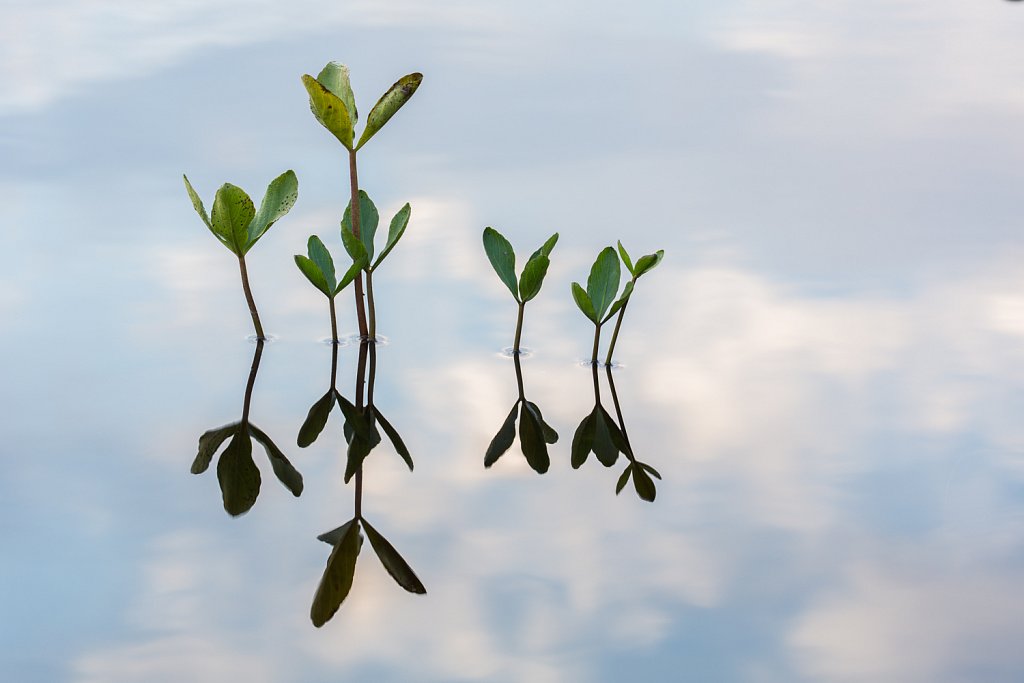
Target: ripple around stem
[
  {"x": 354, "y": 339},
  {"x": 270, "y": 338},
  {"x": 509, "y": 352}
]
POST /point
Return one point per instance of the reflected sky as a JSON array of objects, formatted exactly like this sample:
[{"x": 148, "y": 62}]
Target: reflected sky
[{"x": 827, "y": 368}]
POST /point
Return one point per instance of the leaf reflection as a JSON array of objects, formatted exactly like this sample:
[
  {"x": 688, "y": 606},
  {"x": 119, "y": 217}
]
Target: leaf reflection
[{"x": 534, "y": 433}]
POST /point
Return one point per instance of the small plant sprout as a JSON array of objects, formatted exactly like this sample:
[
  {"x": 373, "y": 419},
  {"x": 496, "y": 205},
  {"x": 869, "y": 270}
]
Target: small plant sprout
[
  {"x": 359, "y": 245},
  {"x": 237, "y": 224},
  {"x": 534, "y": 433},
  {"x": 318, "y": 268},
  {"x": 334, "y": 106},
  {"x": 596, "y": 300},
  {"x": 643, "y": 264},
  {"x": 503, "y": 260}
]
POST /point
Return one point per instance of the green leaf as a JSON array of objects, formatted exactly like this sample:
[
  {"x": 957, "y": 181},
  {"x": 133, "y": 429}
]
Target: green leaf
[
  {"x": 349, "y": 276},
  {"x": 337, "y": 579},
  {"x": 283, "y": 469},
  {"x": 316, "y": 419},
  {"x": 354, "y": 418},
  {"x": 583, "y": 302},
  {"x": 335, "y": 77},
  {"x": 648, "y": 262},
  {"x": 583, "y": 440},
  {"x": 533, "y": 276},
  {"x": 603, "y": 282},
  {"x": 360, "y": 446},
  {"x": 389, "y": 103},
  {"x": 398, "y": 225},
  {"x": 550, "y": 435},
  {"x": 358, "y": 450},
  {"x": 329, "y": 110},
  {"x": 395, "y": 439},
  {"x": 232, "y": 213},
  {"x": 209, "y": 442},
  {"x": 368, "y": 220},
  {"x": 623, "y": 478},
  {"x": 502, "y": 258},
  {"x": 312, "y": 273},
  {"x": 502, "y": 441},
  {"x": 319, "y": 255},
  {"x": 643, "y": 484},
  {"x": 399, "y": 569},
  {"x": 278, "y": 200},
  {"x": 197, "y": 204},
  {"x": 355, "y": 248},
  {"x": 627, "y": 292},
  {"x": 546, "y": 247},
  {"x": 238, "y": 475},
  {"x": 531, "y": 440},
  {"x": 625, "y": 259}
]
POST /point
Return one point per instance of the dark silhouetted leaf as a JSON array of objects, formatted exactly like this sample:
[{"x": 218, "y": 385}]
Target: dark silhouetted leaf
[
  {"x": 502, "y": 258},
  {"x": 283, "y": 469},
  {"x": 368, "y": 220},
  {"x": 280, "y": 197},
  {"x": 397, "y": 228},
  {"x": 354, "y": 418},
  {"x": 625, "y": 259},
  {"x": 603, "y": 283},
  {"x": 232, "y": 213},
  {"x": 316, "y": 419},
  {"x": 617, "y": 437},
  {"x": 209, "y": 442},
  {"x": 334, "y": 536},
  {"x": 623, "y": 478},
  {"x": 395, "y": 439},
  {"x": 337, "y": 579},
  {"x": 649, "y": 262},
  {"x": 399, "y": 569},
  {"x": 319, "y": 255},
  {"x": 389, "y": 103},
  {"x": 329, "y": 110},
  {"x": 583, "y": 440},
  {"x": 643, "y": 484},
  {"x": 531, "y": 439},
  {"x": 605, "y": 449},
  {"x": 533, "y": 276},
  {"x": 359, "y": 447},
  {"x": 335, "y": 77},
  {"x": 550, "y": 435},
  {"x": 238, "y": 475},
  {"x": 502, "y": 441},
  {"x": 583, "y": 301},
  {"x": 649, "y": 469}
]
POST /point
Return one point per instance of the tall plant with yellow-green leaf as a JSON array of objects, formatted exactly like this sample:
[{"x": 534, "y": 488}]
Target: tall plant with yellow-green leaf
[{"x": 333, "y": 104}]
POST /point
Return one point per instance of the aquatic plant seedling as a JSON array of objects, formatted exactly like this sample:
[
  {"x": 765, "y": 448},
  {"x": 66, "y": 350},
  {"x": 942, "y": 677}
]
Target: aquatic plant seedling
[
  {"x": 359, "y": 245},
  {"x": 237, "y": 224},
  {"x": 333, "y": 104},
  {"x": 503, "y": 260},
  {"x": 596, "y": 301},
  {"x": 643, "y": 265},
  {"x": 534, "y": 433},
  {"x": 336, "y": 583},
  {"x": 318, "y": 268}
]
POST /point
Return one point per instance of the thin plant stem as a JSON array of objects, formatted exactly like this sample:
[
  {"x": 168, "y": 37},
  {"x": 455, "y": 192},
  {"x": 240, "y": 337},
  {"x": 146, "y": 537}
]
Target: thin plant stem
[
  {"x": 372, "y": 310},
  {"x": 597, "y": 339},
  {"x": 334, "y": 323},
  {"x": 360, "y": 383},
  {"x": 615, "y": 334},
  {"x": 597, "y": 385},
  {"x": 252, "y": 380},
  {"x": 354, "y": 183},
  {"x": 519, "y": 377},
  {"x": 519, "y": 328},
  {"x": 334, "y": 366},
  {"x": 248, "y": 298},
  {"x": 618, "y": 415}
]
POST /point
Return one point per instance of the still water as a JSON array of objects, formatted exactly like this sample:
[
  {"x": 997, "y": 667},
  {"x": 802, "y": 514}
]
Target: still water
[{"x": 827, "y": 369}]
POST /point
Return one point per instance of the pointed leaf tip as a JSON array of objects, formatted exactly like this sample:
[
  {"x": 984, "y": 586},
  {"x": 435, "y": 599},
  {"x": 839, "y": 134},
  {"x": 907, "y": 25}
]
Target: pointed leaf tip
[{"x": 389, "y": 103}]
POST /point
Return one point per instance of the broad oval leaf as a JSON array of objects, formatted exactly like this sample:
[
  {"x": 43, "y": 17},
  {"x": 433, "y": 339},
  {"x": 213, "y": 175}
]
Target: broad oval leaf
[
  {"x": 603, "y": 283},
  {"x": 238, "y": 475},
  {"x": 583, "y": 440},
  {"x": 649, "y": 469},
  {"x": 278, "y": 200},
  {"x": 643, "y": 484},
  {"x": 197, "y": 204},
  {"x": 531, "y": 440},
  {"x": 355, "y": 248},
  {"x": 315, "y": 420},
  {"x": 502, "y": 258},
  {"x": 502, "y": 441},
  {"x": 397, "y": 228},
  {"x": 312, "y": 273},
  {"x": 604, "y": 445},
  {"x": 396, "y": 439},
  {"x": 335, "y": 77},
  {"x": 232, "y": 212},
  {"x": 550, "y": 435},
  {"x": 329, "y": 110},
  {"x": 583, "y": 302},
  {"x": 368, "y": 220},
  {"x": 533, "y": 276},
  {"x": 649, "y": 262},
  {"x": 625, "y": 258},
  {"x": 319, "y": 255},
  {"x": 209, "y": 442},
  {"x": 283, "y": 469},
  {"x": 389, "y": 103},
  {"x": 399, "y": 569},
  {"x": 338, "y": 576},
  {"x": 623, "y": 478}
]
